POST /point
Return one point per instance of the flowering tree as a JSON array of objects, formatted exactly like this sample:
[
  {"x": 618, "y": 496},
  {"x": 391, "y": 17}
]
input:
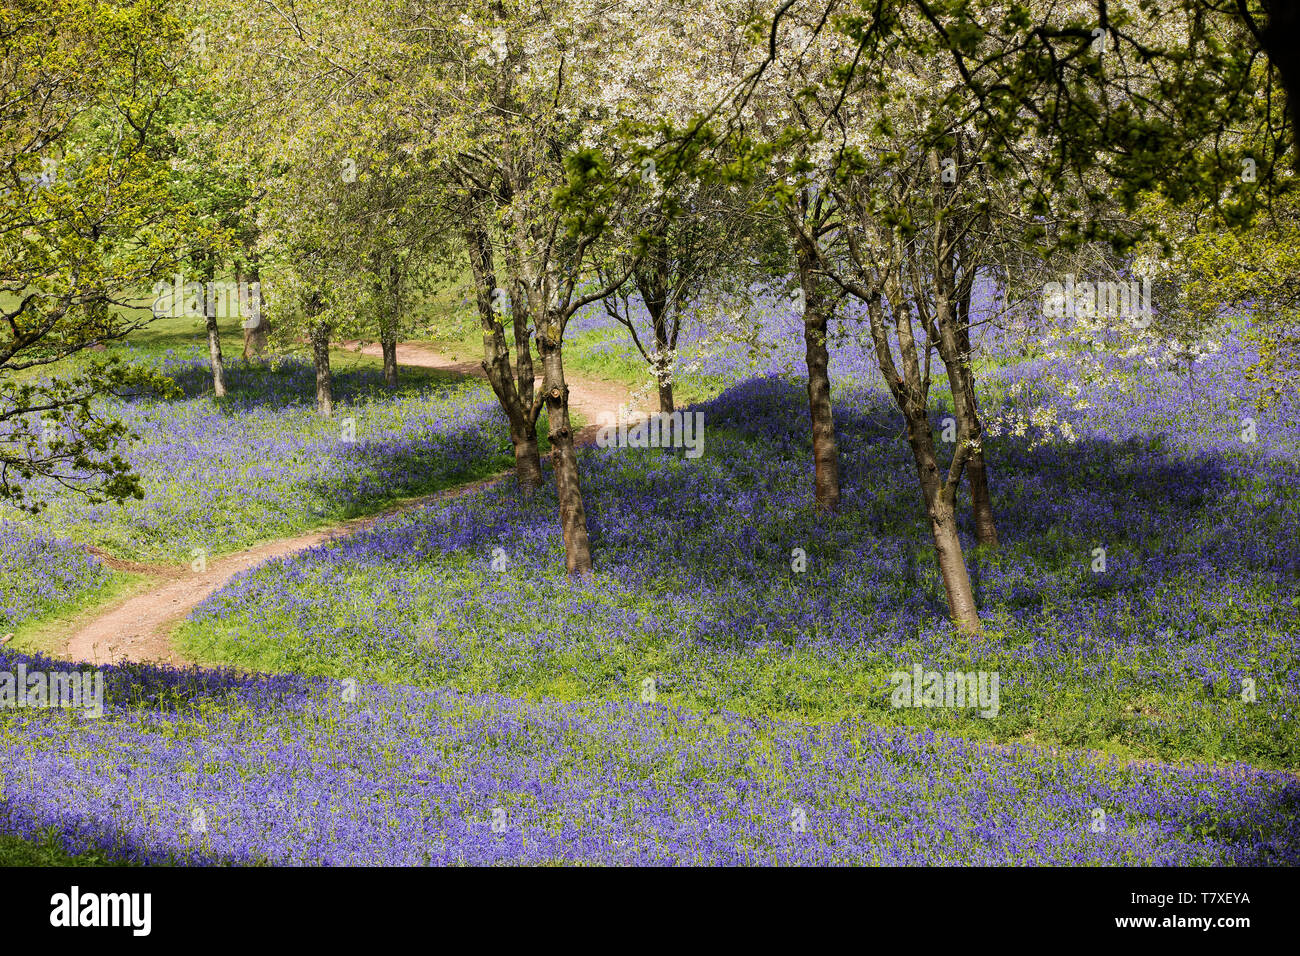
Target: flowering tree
[
  {"x": 908, "y": 208},
  {"x": 952, "y": 132},
  {"x": 701, "y": 247},
  {"x": 531, "y": 131},
  {"x": 1251, "y": 273},
  {"x": 493, "y": 100}
]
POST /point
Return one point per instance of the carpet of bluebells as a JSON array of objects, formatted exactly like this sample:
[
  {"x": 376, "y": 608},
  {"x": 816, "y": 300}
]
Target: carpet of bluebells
[
  {"x": 769, "y": 341},
  {"x": 214, "y": 767},
  {"x": 39, "y": 573},
  {"x": 263, "y": 464},
  {"x": 764, "y": 336},
  {"x": 698, "y": 700},
  {"x": 695, "y": 587}
]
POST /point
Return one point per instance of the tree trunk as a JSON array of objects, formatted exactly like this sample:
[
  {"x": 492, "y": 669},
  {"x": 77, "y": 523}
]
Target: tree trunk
[
  {"x": 320, "y": 347},
  {"x": 255, "y": 324},
  {"x": 939, "y": 498},
  {"x": 952, "y": 565},
  {"x": 389, "y": 347},
  {"x": 665, "y": 390},
  {"x": 525, "y": 374},
  {"x": 826, "y": 455},
  {"x": 515, "y": 399},
  {"x": 214, "y": 338},
  {"x": 986, "y": 531},
  {"x": 663, "y": 373},
  {"x": 951, "y": 315},
  {"x": 1279, "y": 38},
  {"x": 652, "y": 281},
  {"x": 910, "y": 388},
  {"x": 391, "y": 323},
  {"x": 564, "y": 460},
  {"x": 214, "y": 347},
  {"x": 243, "y": 308},
  {"x": 528, "y": 459}
]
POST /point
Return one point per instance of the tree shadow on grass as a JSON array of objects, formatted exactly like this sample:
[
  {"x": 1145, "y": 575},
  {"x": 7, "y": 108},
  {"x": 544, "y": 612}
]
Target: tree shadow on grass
[
  {"x": 738, "y": 514},
  {"x": 375, "y": 471},
  {"x": 291, "y": 383}
]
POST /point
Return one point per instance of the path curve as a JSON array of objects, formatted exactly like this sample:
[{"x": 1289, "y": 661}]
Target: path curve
[
  {"x": 139, "y": 628},
  {"x": 594, "y": 401}
]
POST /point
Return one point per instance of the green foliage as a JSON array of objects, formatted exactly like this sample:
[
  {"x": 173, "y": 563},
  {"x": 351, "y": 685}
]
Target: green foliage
[
  {"x": 1252, "y": 271},
  {"x": 87, "y": 214}
]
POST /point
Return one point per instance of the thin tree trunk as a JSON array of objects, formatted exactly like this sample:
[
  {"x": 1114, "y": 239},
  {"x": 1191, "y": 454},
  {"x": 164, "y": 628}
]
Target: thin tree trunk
[
  {"x": 666, "y": 404},
  {"x": 986, "y": 531},
  {"x": 391, "y": 323},
  {"x": 939, "y": 498},
  {"x": 952, "y": 565},
  {"x": 564, "y": 460},
  {"x": 214, "y": 336},
  {"x": 663, "y": 373},
  {"x": 243, "y": 308},
  {"x": 525, "y": 373},
  {"x": 516, "y": 400},
  {"x": 652, "y": 281},
  {"x": 826, "y": 455},
  {"x": 954, "y": 348},
  {"x": 910, "y": 388},
  {"x": 320, "y": 347},
  {"x": 214, "y": 347},
  {"x": 528, "y": 459},
  {"x": 389, "y": 347},
  {"x": 256, "y": 326}
]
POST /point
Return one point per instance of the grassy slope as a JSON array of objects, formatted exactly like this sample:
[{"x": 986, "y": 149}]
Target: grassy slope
[
  {"x": 41, "y": 634},
  {"x": 790, "y": 685},
  {"x": 181, "y": 334},
  {"x": 1122, "y": 709}
]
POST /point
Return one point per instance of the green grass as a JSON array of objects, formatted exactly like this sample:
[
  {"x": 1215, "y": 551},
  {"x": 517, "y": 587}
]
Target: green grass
[
  {"x": 1126, "y": 713},
  {"x": 15, "y": 851},
  {"x": 1136, "y": 707},
  {"x": 183, "y": 334},
  {"x": 180, "y": 334}
]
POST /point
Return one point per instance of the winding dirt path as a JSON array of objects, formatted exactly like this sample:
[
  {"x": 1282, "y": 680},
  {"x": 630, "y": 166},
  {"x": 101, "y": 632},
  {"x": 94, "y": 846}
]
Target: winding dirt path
[{"x": 139, "y": 628}]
